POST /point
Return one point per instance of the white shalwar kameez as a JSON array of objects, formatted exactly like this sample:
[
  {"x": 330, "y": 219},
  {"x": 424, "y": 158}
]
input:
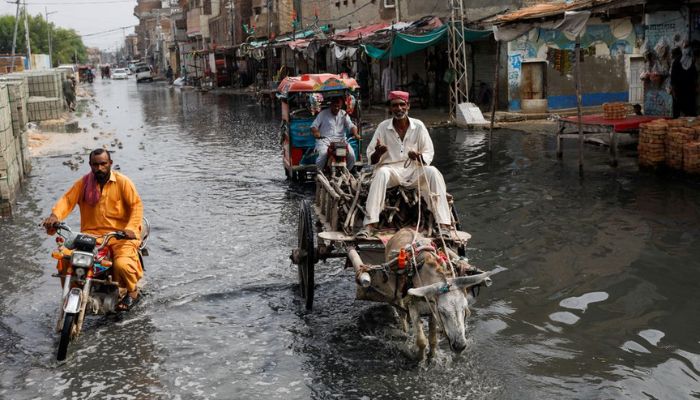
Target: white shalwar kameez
[{"x": 390, "y": 170}]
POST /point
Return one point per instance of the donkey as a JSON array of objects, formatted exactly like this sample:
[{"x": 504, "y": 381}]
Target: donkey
[{"x": 432, "y": 292}]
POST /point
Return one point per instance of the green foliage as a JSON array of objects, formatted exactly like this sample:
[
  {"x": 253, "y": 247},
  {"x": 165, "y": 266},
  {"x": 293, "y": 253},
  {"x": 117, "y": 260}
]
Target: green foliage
[{"x": 66, "y": 43}]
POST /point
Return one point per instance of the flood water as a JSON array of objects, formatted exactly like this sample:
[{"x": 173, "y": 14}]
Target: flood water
[{"x": 600, "y": 299}]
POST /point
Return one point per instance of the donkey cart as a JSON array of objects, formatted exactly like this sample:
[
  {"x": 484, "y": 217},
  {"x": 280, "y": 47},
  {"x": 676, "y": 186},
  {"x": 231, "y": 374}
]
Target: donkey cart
[{"x": 380, "y": 262}]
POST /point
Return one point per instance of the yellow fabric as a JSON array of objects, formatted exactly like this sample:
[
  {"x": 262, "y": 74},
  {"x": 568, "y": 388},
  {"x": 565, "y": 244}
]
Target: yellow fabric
[{"x": 119, "y": 209}]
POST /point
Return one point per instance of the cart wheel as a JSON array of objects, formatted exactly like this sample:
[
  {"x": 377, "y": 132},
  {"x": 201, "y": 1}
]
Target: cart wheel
[{"x": 305, "y": 267}]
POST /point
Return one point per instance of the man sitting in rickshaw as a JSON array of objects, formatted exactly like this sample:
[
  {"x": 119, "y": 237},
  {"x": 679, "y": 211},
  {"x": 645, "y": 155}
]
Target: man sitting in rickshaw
[{"x": 331, "y": 124}]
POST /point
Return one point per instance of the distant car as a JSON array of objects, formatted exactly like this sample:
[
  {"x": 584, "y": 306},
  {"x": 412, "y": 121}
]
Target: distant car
[
  {"x": 143, "y": 73},
  {"x": 119, "y": 73}
]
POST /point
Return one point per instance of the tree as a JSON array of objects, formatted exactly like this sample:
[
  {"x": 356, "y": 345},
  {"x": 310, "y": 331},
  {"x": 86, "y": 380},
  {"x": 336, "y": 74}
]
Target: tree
[{"x": 66, "y": 43}]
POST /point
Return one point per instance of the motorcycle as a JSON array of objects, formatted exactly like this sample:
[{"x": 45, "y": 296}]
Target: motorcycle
[
  {"x": 87, "y": 279},
  {"x": 337, "y": 156}
]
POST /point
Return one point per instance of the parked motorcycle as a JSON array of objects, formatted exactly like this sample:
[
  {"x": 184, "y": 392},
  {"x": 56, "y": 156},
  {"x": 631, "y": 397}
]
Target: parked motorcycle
[{"x": 87, "y": 280}]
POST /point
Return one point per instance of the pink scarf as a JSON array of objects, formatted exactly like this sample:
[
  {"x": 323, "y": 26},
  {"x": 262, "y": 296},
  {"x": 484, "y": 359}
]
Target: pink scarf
[{"x": 91, "y": 191}]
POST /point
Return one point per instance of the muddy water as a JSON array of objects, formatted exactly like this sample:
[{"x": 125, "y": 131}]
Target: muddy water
[{"x": 599, "y": 299}]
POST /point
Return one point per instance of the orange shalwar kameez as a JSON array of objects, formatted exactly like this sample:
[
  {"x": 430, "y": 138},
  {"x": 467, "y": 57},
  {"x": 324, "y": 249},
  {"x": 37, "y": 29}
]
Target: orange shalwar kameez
[{"x": 119, "y": 209}]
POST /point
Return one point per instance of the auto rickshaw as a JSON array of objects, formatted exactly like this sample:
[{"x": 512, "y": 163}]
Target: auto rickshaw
[
  {"x": 85, "y": 73},
  {"x": 302, "y": 98}
]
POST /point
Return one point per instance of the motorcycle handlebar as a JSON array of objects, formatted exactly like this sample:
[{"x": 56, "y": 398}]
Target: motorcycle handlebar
[{"x": 119, "y": 235}]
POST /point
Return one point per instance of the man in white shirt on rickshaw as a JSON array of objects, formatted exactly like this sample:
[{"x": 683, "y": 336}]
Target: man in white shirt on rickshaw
[
  {"x": 401, "y": 150},
  {"x": 331, "y": 124}
]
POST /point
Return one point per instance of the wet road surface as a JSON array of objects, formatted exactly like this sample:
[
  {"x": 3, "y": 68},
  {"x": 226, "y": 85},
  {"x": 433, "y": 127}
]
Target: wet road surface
[{"x": 599, "y": 300}]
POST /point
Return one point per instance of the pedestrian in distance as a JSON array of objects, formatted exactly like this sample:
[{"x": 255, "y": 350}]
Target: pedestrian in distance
[
  {"x": 108, "y": 202},
  {"x": 683, "y": 81},
  {"x": 169, "y": 74},
  {"x": 69, "y": 92},
  {"x": 401, "y": 150}
]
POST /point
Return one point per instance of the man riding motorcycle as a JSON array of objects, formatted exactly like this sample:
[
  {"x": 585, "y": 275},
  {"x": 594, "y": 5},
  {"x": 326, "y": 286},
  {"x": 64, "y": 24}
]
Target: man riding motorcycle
[
  {"x": 330, "y": 124},
  {"x": 108, "y": 202}
]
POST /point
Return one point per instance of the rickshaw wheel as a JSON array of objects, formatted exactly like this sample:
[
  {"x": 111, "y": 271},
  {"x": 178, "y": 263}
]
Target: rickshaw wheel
[{"x": 305, "y": 267}]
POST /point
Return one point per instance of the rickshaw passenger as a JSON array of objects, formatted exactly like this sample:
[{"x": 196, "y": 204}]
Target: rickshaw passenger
[
  {"x": 330, "y": 124},
  {"x": 394, "y": 142}
]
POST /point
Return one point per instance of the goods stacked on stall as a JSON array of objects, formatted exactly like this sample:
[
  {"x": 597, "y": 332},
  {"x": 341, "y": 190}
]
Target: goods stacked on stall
[
  {"x": 616, "y": 110},
  {"x": 652, "y": 146},
  {"x": 674, "y": 143}
]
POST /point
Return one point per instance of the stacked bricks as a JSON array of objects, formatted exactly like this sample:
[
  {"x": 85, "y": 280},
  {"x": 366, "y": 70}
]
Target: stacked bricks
[
  {"x": 614, "y": 110},
  {"x": 44, "y": 108},
  {"x": 675, "y": 142},
  {"x": 691, "y": 158},
  {"x": 652, "y": 143},
  {"x": 45, "y": 89},
  {"x": 18, "y": 93},
  {"x": 45, "y": 83},
  {"x": 9, "y": 165}
]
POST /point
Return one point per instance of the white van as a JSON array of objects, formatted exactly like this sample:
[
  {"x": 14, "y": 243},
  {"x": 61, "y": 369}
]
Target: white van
[
  {"x": 71, "y": 69},
  {"x": 143, "y": 73}
]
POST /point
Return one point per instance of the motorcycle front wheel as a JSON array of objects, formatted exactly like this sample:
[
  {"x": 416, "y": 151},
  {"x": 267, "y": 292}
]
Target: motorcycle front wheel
[{"x": 65, "y": 336}]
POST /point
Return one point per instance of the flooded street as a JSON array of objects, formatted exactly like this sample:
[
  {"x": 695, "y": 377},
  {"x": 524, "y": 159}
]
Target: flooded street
[{"x": 600, "y": 299}]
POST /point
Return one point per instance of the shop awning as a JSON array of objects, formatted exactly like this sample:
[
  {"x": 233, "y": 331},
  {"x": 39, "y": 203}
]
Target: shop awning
[
  {"x": 301, "y": 35},
  {"x": 570, "y": 17},
  {"x": 406, "y": 44},
  {"x": 362, "y": 32}
]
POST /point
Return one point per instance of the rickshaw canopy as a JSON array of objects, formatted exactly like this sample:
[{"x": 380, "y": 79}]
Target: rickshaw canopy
[{"x": 316, "y": 83}]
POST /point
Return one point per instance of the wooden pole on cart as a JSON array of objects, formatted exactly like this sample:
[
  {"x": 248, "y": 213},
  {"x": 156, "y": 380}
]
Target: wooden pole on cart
[
  {"x": 577, "y": 61},
  {"x": 363, "y": 277},
  {"x": 494, "y": 94}
]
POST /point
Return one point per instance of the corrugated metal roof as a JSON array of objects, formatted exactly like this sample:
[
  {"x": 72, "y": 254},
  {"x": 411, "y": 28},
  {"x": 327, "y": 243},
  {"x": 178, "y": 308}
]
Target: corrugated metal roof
[{"x": 548, "y": 10}]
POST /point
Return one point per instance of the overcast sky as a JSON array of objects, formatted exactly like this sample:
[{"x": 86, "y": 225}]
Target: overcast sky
[{"x": 86, "y": 17}]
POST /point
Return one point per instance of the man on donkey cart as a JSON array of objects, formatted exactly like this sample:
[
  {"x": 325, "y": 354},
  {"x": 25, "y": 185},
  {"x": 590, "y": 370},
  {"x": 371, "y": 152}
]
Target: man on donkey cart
[{"x": 401, "y": 150}]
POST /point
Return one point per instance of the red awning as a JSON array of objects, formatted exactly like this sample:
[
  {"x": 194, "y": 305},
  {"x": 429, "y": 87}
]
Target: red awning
[
  {"x": 355, "y": 34},
  {"x": 299, "y": 44}
]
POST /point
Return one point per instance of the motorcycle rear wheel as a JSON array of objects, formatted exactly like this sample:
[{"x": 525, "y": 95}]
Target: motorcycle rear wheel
[{"x": 65, "y": 336}]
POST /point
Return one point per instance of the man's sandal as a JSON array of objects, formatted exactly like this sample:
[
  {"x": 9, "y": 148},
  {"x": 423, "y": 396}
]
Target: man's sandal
[
  {"x": 128, "y": 303},
  {"x": 364, "y": 233},
  {"x": 444, "y": 233}
]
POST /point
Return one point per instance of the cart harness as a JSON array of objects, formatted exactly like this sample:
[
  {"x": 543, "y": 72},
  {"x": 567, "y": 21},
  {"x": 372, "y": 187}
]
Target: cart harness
[{"x": 406, "y": 264}]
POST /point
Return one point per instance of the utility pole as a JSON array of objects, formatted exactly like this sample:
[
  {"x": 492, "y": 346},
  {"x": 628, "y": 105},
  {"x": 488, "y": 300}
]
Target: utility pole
[
  {"x": 14, "y": 38},
  {"x": 26, "y": 34},
  {"x": 48, "y": 25},
  {"x": 232, "y": 5},
  {"x": 459, "y": 87}
]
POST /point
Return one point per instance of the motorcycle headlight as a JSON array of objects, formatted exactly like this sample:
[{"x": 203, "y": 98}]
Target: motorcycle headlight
[
  {"x": 340, "y": 152},
  {"x": 81, "y": 259}
]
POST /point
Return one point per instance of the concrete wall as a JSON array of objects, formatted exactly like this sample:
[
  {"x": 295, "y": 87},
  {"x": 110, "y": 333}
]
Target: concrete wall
[{"x": 604, "y": 45}]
